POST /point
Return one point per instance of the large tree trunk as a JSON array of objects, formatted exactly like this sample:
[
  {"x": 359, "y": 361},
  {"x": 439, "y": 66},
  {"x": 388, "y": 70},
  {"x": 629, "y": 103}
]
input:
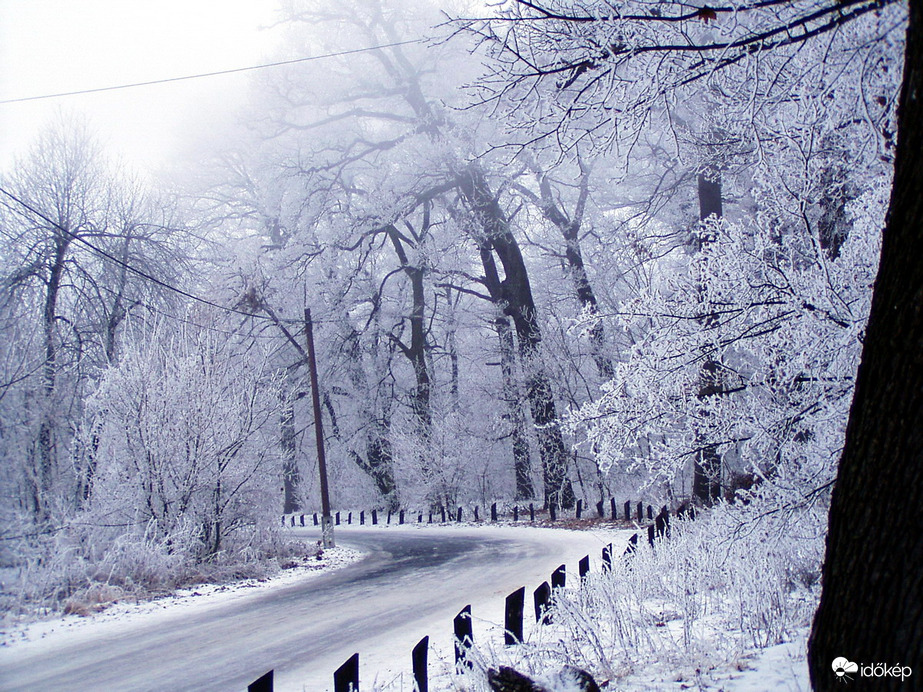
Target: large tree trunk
[
  {"x": 570, "y": 230},
  {"x": 871, "y": 608},
  {"x": 416, "y": 350},
  {"x": 452, "y": 346},
  {"x": 378, "y": 461},
  {"x": 291, "y": 475},
  {"x": 706, "y": 476},
  {"x": 45, "y": 442},
  {"x": 522, "y": 463},
  {"x": 514, "y": 296},
  {"x": 833, "y": 224}
]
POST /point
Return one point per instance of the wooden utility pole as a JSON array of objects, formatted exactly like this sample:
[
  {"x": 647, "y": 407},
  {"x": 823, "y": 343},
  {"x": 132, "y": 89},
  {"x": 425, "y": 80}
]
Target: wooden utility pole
[{"x": 326, "y": 519}]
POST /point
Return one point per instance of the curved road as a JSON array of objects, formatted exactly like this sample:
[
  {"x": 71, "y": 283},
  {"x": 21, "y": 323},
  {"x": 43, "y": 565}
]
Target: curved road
[{"x": 412, "y": 580}]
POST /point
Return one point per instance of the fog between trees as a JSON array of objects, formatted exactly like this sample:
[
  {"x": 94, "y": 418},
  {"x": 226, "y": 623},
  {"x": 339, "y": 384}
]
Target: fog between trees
[{"x": 554, "y": 251}]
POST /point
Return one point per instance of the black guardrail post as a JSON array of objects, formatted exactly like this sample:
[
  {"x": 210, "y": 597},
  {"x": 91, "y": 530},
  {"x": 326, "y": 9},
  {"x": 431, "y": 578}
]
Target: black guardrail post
[
  {"x": 463, "y": 637},
  {"x": 612, "y": 509},
  {"x": 493, "y": 512},
  {"x": 640, "y": 511},
  {"x": 650, "y": 512},
  {"x": 362, "y": 518},
  {"x": 515, "y": 512},
  {"x": 559, "y": 577},
  {"x": 346, "y": 677},
  {"x": 600, "y": 509},
  {"x": 584, "y": 566},
  {"x": 532, "y": 512},
  {"x": 632, "y": 544},
  {"x": 627, "y": 510},
  {"x": 515, "y": 603},
  {"x": 662, "y": 522},
  {"x": 459, "y": 514},
  {"x": 374, "y": 517},
  {"x": 400, "y": 517},
  {"x": 420, "y": 655},
  {"x": 552, "y": 511},
  {"x": 261, "y": 684},
  {"x": 541, "y": 596},
  {"x": 477, "y": 516},
  {"x": 579, "y": 511}
]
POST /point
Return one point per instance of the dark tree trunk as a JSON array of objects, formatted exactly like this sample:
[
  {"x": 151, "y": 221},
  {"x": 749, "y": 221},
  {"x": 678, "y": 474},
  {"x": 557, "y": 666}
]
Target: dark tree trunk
[
  {"x": 452, "y": 346},
  {"x": 570, "y": 230},
  {"x": 378, "y": 459},
  {"x": 415, "y": 351},
  {"x": 588, "y": 300},
  {"x": 45, "y": 439},
  {"x": 709, "y": 182},
  {"x": 514, "y": 296},
  {"x": 833, "y": 224},
  {"x": 291, "y": 476},
  {"x": 522, "y": 463},
  {"x": 117, "y": 313},
  {"x": 871, "y": 608},
  {"x": 706, "y": 475},
  {"x": 706, "y": 479}
]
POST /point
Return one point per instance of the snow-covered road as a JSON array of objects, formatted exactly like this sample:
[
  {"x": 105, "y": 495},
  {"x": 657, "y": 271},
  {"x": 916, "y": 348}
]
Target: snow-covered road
[{"x": 412, "y": 583}]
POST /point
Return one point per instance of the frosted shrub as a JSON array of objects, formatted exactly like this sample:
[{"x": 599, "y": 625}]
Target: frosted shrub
[
  {"x": 177, "y": 461},
  {"x": 738, "y": 578}
]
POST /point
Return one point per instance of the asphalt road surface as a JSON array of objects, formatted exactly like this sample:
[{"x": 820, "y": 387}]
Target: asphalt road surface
[{"x": 412, "y": 580}]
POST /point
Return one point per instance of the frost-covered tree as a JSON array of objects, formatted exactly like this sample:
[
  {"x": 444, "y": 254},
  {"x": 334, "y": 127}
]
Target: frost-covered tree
[
  {"x": 755, "y": 102},
  {"x": 375, "y": 170},
  {"x": 872, "y": 595},
  {"x": 73, "y": 227},
  {"x": 184, "y": 431}
]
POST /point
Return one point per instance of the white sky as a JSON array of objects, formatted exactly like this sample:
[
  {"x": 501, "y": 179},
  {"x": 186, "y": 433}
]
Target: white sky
[{"x": 52, "y": 46}]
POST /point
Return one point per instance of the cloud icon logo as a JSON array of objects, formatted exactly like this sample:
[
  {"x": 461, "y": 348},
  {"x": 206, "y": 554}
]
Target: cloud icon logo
[{"x": 842, "y": 667}]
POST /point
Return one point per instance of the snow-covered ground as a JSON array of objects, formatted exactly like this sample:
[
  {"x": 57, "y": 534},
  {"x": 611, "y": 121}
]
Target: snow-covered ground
[
  {"x": 377, "y": 594},
  {"x": 411, "y": 582},
  {"x": 54, "y": 631}
]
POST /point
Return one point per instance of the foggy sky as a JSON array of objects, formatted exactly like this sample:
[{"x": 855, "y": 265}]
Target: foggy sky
[{"x": 52, "y": 46}]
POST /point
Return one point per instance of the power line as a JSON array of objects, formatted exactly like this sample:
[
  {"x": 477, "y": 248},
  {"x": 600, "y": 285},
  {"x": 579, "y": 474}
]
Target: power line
[
  {"x": 143, "y": 274},
  {"x": 212, "y": 74}
]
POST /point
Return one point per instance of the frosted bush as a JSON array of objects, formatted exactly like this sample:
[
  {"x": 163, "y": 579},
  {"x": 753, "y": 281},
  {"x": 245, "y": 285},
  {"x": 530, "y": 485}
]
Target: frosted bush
[{"x": 738, "y": 578}]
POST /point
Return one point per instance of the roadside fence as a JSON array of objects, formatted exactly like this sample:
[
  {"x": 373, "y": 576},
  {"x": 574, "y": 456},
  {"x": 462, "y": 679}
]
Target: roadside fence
[{"x": 611, "y": 511}]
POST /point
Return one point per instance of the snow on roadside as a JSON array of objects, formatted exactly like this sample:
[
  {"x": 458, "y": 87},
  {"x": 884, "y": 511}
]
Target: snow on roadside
[
  {"x": 783, "y": 668},
  {"x": 175, "y": 605}
]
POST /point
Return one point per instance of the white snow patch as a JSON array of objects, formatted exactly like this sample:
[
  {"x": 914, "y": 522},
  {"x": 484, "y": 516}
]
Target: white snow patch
[
  {"x": 783, "y": 667},
  {"x": 55, "y": 631}
]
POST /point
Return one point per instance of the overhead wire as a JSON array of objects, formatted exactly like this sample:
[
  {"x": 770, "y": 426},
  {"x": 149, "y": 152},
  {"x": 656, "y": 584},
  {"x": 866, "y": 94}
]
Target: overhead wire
[
  {"x": 202, "y": 75},
  {"x": 140, "y": 272}
]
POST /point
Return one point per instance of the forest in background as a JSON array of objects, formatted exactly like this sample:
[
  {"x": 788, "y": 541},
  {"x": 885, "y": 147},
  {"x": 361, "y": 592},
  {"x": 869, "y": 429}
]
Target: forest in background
[{"x": 554, "y": 251}]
